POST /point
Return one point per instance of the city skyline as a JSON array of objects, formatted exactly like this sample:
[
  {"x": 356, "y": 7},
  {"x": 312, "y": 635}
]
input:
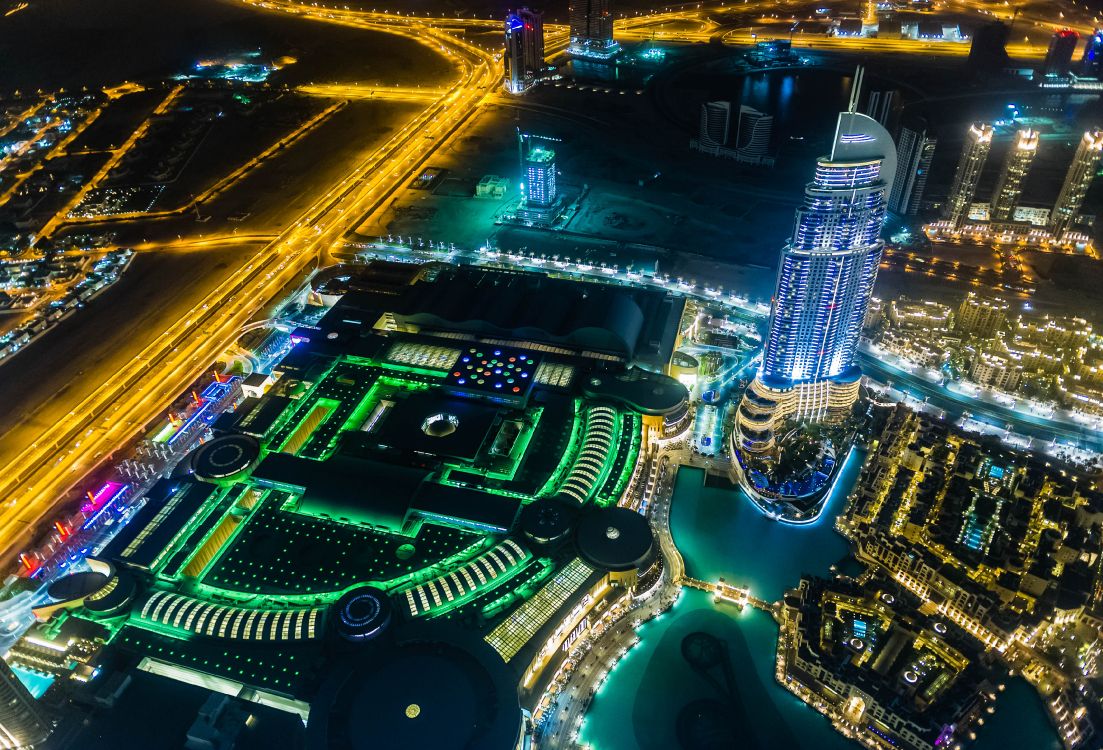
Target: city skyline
[{"x": 532, "y": 377}]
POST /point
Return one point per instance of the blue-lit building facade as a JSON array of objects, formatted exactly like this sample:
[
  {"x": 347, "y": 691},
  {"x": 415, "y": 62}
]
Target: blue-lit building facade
[
  {"x": 824, "y": 285},
  {"x": 538, "y": 173},
  {"x": 1091, "y": 64},
  {"x": 591, "y": 29},
  {"x": 524, "y": 56}
]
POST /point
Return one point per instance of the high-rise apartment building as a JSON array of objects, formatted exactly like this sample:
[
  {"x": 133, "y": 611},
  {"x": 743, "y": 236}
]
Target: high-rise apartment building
[
  {"x": 978, "y": 142},
  {"x": 23, "y": 725},
  {"x": 715, "y": 123},
  {"x": 824, "y": 284},
  {"x": 539, "y": 188},
  {"x": 524, "y": 57},
  {"x": 987, "y": 51},
  {"x": 1058, "y": 60},
  {"x": 915, "y": 151},
  {"x": 1009, "y": 185},
  {"x": 591, "y": 29},
  {"x": 752, "y": 137},
  {"x": 1085, "y": 165},
  {"x": 880, "y": 106},
  {"x": 982, "y": 316},
  {"x": 1091, "y": 64}
]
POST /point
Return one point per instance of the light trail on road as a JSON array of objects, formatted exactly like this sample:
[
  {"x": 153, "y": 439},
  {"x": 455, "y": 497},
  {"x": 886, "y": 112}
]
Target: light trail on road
[{"x": 36, "y": 479}]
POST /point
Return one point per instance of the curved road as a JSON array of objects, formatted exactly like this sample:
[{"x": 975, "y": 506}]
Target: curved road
[{"x": 32, "y": 482}]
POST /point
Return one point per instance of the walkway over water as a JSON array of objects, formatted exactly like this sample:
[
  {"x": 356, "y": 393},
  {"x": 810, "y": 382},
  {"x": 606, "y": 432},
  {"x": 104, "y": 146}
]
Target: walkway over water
[{"x": 738, "y": 595}]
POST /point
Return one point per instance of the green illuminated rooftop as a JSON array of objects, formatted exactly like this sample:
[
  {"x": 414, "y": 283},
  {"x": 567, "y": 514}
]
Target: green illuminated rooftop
[{"x": 540, "y": 155}]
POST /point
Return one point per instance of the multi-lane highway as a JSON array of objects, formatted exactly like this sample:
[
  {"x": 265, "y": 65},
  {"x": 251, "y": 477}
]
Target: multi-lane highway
[{"x": 33, "y": 481}]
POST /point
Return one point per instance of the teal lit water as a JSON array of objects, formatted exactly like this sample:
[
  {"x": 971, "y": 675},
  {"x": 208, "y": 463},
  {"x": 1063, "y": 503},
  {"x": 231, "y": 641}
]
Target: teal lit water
[
  {"x": 35, "y": 683},
  {"x": 722, "y": 535}
]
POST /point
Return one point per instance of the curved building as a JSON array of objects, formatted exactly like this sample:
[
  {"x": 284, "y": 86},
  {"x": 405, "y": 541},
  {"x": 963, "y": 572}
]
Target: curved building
[
  {"x": 617, "y": 540},
  {"x": 824, "y": 284}
]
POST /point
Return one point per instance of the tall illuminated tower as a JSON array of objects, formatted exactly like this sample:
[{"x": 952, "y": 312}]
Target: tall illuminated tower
[
  {"x": 915, "y": 152},
  {"x": 22, "y": 722},
  {"x": 824, "y": 284},
  {"x": 524, "y": 58},
  {"x": 1091, "y": 64},
  {"x": 591, "y": 31},
  {"x": 1009, "y": 185},
  {"x": 537, "y": 171},
  {"x": 1085, "y": 165},
  {"x": 1058, "y": 60},
  {"x": 978, "y": 142}
]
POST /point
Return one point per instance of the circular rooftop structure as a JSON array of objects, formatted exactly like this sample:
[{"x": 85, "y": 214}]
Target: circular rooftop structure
[
  {"x": 97, "y": 591},
  {"x": 224, "y": 456},
  {"x": 440, "y": 424},
  {"x": 77, "y": 585},
  {"x": 643, "y": 391},
  {"x": 420, "y": 693},
  {"x": 546, "y": 521},
  {"x": 684, "y": 360},
  {"x": 615, "y": 539},
  {"x": 362, "y": 614}
]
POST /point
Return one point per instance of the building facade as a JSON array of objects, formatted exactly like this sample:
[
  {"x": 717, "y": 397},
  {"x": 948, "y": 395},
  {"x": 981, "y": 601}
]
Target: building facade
[
  {"x": 981, "y": 316},
  {"x": 1009, "y": 185},
  {"x": 715, "y": 123},
  {"x": 1091, "y": 64},
  {"x": 753, "y": 131},
  {"x": 1058, "y": 60},
  {"x": 824, "y": 284},
  {"x": 752, "y": 138},
  {"x": 22, "y": 722},
  {"x": 591, "y": 23},
  {"x": 539, "y": 189},
  {"x": 881, "y": 105},
  {"x": 978, "y": 142},
  {"x": 915, "y": 151},
  {"x": 1085, "y": 165},
  {"x": 524, "y": 57}
]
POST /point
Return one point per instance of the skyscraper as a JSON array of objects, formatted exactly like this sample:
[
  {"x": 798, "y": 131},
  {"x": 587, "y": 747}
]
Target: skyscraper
[
  {"x": 987, "y": 51},
  {"x": 1085, "y": 165},
  {"x": 978, "y": 142},
  {"x": 524, "y": 58},
  {"x": 752, "y": 138},
  {"x": 915, "y": 150},
  {"x": 715, "y": 123},
  {"x": 22, "y": 722},
  {"x": 538, "y": 171},
  {"x": 1091, "y": 64},
  {"x": 880, "y": 105},
  {"x": 1058, "y": 60},
  {"x": 824, "y": 283},
  {"x": 1009, "y": 185},
  {"x": 591, "y": 29}
]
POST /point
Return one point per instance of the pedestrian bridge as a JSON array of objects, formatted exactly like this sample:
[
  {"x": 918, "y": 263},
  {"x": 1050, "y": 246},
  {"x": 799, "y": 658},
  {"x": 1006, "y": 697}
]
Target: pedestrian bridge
[{"x": 726, "y": 592}]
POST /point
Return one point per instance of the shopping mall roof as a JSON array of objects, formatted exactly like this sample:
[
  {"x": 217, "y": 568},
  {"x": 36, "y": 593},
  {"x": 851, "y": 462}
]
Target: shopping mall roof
[
  {"x": 630, "y": 323},
  {"x": 640, "y": 390},
  {"x": 434, "y": 688},
  {"x": 169, "y": 506},
  {"x": 356, "y": 490},
  {"x": 465, "y": 506},
  {"x": 616, "y": 539},
  {"x": 433, "y": 423}
]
